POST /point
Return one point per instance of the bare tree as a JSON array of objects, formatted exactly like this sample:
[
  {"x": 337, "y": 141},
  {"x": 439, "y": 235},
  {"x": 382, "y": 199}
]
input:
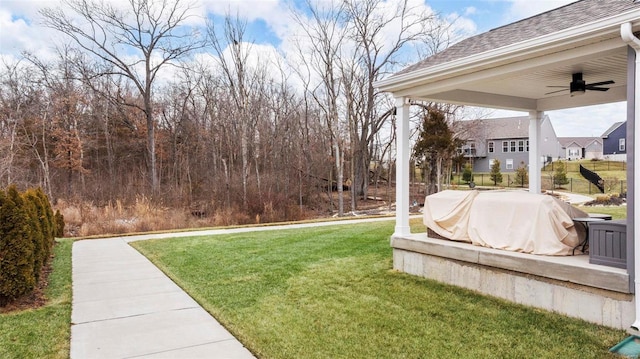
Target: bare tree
[
  {"x": 379, "y": 30},
  {"x": 13, "y": 99},
  {"x": 238, "y": 77},
  {"x": 326, "y": 32},
  {"x": 135, "y": 43},
  {"x": 67, "y": 104}
]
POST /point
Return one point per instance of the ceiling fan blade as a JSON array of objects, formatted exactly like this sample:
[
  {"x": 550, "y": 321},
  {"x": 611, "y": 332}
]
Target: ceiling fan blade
[
  {"x": 549, "y": 93},
  {"x": 597, "y": 88},
  {"x": 610, "y": 82}
]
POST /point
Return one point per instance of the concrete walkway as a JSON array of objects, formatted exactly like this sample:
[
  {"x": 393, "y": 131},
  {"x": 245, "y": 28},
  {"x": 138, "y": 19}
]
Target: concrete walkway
[
  {"x": 125, "y": 307},
  {"x": 574, "y": 198}
]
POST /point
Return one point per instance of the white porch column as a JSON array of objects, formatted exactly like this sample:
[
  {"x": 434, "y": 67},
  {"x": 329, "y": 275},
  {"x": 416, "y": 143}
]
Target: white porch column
[
  {"x": 633, "y": 215},
  {"x": 535, "y": 168},
  {"x": 402, "y": 167},
  {"x": 633, "y": 155}
]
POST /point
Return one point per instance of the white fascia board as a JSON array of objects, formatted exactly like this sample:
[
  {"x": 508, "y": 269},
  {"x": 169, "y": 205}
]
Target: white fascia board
[{"x": 556, "y": 41}]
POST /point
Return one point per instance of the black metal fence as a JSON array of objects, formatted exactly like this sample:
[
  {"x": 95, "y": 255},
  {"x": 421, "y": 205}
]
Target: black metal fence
[
  {"x": 596, "y": 166},
  {"x": 592, "y": 177},
  {"x": 576, "y": 185}
]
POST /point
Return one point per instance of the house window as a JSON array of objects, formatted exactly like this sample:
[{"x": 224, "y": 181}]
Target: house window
[
  {"x": 509, "y": 163},
  {"x": 468, "y": 149},
  {"x": 527, "y": 145},
  {"x": 513, "y": 146},
  {"x": 490, "y": 146},
  {"x": 505, "y": 146},
  {"x": 521, "y": 146},
  {"x": 621, "y": 145},
  {"x": 574, "y": 153},
  {"x": 491, "y": 161}
]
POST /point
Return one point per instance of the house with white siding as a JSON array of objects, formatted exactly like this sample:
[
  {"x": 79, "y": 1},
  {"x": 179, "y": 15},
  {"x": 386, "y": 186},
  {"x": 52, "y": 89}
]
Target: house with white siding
[{"x": 578, "y": 148}]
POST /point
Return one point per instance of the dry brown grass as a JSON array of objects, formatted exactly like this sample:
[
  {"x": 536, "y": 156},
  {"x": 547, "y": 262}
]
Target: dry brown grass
[{"x": 86, "y": 219}]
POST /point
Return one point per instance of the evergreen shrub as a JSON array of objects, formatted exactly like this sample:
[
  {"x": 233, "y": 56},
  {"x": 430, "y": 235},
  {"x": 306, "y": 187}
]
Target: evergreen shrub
[{"x": 27, "y": 231}]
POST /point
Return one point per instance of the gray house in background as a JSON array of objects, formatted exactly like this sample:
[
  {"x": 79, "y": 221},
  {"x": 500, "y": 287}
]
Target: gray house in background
[
  {"x": 577, "y": 148},
  {"x": 504, "y": 139},
  {"x": 615, "y": 142}
]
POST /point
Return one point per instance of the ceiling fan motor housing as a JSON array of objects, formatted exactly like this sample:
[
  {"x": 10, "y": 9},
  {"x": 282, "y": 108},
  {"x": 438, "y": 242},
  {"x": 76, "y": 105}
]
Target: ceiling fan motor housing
[{"x": 578, "y": 85}]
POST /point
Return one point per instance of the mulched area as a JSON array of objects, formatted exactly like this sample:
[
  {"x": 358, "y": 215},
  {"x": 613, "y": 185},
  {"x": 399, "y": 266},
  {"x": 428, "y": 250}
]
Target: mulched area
[{"x": 610, "y": 201}]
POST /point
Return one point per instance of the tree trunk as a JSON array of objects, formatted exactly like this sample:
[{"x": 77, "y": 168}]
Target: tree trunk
[
  {"x": 245, "y": 163},
  {"x": 110, "y": 156},
  {"x": 432, "y": 176},
  {"x": 44, "y": 159},
  {"x": 11, "y": 151},
  {"x": 439, "y": 174},
  {"x": 227, "y": 183},
  {"x": 339, "y": 181}
]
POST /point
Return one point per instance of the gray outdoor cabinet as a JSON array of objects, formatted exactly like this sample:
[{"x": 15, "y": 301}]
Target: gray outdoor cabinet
[{"x": 608, "y": 243}]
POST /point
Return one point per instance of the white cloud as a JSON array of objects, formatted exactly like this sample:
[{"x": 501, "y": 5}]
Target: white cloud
[
  {"x": 21, "y": 31},
  {"x": 249, "y": 9},
  {"x": 27, "y": 8},
  {"x": 471, "y": 10},
  {"x": 273, "y": 12},
  {"x": 461, "y": 27}
]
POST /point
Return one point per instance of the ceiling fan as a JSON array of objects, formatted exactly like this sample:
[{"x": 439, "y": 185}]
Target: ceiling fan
[{"x": 578, "y": 86}]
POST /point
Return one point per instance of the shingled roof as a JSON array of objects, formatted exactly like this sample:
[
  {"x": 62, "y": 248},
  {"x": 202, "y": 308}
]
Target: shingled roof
[
  {"x": 611, "y": 129},
  {"x": 494, "y": 129},
  {"x": 579, "y": 12},
  {"x": 580, "y": 141}
]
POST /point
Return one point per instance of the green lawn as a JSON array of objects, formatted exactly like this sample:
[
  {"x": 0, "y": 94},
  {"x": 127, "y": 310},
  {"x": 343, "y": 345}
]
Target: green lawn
[
  {"x": 330, "y": 292},
  {"x": 616, "y": 212},
  {"x": 596, "y": 166},
  {"x": 43, "y": 332}
]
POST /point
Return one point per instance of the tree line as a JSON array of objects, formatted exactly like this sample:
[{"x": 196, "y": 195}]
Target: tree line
[{"x": 99, "y": 121}]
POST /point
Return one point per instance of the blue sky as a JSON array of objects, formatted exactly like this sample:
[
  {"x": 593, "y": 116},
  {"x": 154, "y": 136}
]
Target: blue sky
[
  {"x": 489, "y": 14},
  {"x": 271, "y": 28}
]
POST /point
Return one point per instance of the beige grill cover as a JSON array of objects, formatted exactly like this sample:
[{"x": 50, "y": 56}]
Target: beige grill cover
[{"x": 512, "y": 220}]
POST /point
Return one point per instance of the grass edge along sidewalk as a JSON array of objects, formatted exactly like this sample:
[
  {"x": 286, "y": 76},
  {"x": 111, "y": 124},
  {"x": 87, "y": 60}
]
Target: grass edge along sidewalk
[
  {"x": 43, "y": 332},
  {"x": 330, "y": 292}
]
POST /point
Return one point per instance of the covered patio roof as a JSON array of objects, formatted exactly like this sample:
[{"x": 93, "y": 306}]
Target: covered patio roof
[
  {"x": 519, "y": 67},
  {"x": 511, "y": 67}
]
